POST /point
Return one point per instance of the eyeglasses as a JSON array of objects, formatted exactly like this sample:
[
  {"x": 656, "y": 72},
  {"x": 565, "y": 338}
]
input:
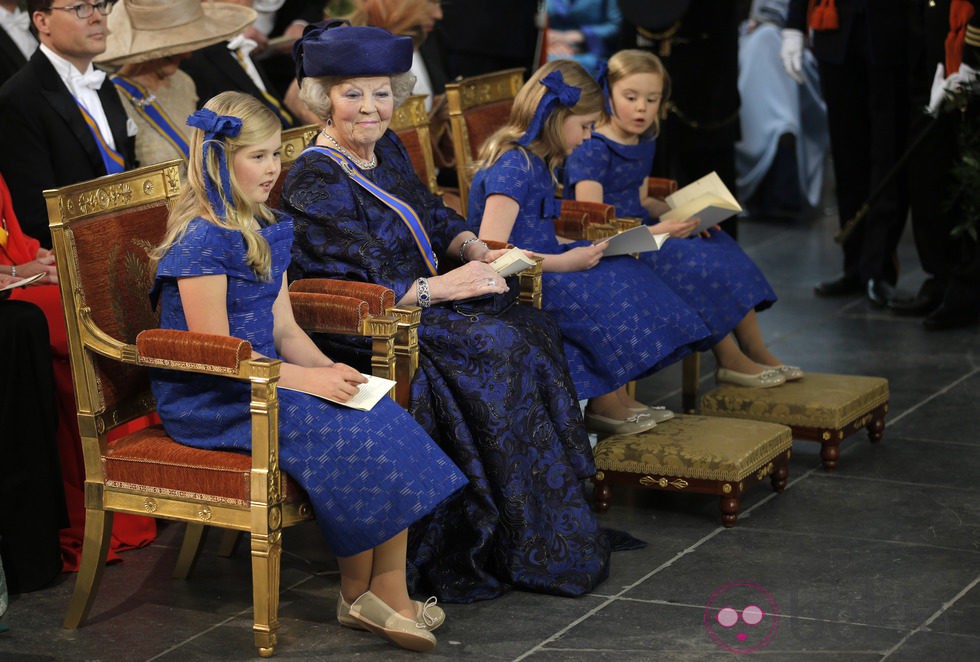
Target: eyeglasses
[{"x": 84, "y": 10}]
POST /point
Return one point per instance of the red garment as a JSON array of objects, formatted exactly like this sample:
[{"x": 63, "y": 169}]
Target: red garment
[
  {"x": 960, "y": 13},
  {"x": 128, "y": 531}
]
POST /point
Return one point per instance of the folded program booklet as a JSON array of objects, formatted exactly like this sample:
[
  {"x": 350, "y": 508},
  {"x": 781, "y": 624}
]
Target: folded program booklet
[
  {"x": 708, "y": 199},
  {"x": 512, "y": 262},
  {"x": 366, "y": 397},
  {"x": 23, "y": 282},
  {"x": 635, "y": 240}
]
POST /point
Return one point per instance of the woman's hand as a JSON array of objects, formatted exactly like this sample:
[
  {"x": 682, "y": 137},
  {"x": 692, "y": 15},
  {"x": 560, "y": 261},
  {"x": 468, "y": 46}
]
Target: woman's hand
[
  {"x": 675, "y": 228},
  {"x": 338, "y": 382},
  {"x": 43, "y": 263},
  {"x": 473, "y": 279}
]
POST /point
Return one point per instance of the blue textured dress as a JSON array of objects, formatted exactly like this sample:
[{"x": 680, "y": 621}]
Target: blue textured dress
[
  {"x": 491, "y": 388},
  {"x": 712, "y": 275},
  {"x": 369, "y": 475},
  {"x": 619, "y": 321}
]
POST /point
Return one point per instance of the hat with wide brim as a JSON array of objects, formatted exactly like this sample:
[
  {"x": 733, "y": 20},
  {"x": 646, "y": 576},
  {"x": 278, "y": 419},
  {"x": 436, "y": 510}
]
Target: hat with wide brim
[{"x": 141, "y": 30}]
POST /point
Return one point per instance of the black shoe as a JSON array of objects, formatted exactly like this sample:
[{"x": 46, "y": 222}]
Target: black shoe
[
  {"x": 929, "y": 298},
  {"x": 946, "y": 317},
  {"x": 841, "y": 286},
  {"x": 880, "y": 292}
]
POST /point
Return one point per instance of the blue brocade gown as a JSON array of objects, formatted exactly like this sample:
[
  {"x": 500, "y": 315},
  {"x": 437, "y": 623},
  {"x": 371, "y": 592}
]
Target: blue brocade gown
[
  {"x": 712, "y": 275},
  {"x": 492, "y": 389},
  {"x": 619, "y": 321},
  {"x": 369, "y": 475}
]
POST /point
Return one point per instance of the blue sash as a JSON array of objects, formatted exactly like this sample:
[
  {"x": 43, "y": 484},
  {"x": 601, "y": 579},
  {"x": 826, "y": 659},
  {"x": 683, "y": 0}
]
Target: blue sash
[
  {"x": 401, "y": 208},
  {"x": 147, "y": 107},
  {"x": 113, "y": 160}
]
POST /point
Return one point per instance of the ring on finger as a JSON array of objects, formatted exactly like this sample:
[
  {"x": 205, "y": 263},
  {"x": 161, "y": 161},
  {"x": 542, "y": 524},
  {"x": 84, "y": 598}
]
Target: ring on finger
[{"x": 491, "y": 282}]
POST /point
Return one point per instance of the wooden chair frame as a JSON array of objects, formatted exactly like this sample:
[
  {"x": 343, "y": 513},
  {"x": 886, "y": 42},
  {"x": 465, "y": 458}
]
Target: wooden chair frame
[{"x": 411, "y": 122}]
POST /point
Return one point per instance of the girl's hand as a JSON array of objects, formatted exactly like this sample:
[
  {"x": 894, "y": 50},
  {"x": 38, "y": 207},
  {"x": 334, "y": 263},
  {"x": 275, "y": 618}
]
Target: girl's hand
[
  {"x": 677, "y": 229},
  {"x": 338, "y": 382},
  {"x": 582, "y": 258},
  {"x": 706, "y": 233},
  {"x": 473, "y": 279}
]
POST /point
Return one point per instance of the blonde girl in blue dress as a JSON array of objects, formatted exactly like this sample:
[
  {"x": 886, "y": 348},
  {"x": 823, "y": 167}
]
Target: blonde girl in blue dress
[{"x": 369, "y": 475}]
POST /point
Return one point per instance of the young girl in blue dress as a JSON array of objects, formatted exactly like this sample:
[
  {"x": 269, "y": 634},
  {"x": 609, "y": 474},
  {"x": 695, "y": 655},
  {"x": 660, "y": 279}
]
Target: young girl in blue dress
[
  {"x": 369, "y": 475},
  {"x": 618, "y": 320},
  {"x": 711, "y": 273}
]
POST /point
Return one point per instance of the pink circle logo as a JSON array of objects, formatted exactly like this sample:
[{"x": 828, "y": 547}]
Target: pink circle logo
[{"x": 741, "y": 617}]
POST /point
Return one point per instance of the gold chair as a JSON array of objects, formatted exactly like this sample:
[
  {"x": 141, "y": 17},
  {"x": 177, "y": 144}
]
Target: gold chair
[
  {"x": 102, "y": 231},
  {"x": 410, "y": 122},
  {"x": 294, "y": 141},
  {"x": 478, "y": 106}
]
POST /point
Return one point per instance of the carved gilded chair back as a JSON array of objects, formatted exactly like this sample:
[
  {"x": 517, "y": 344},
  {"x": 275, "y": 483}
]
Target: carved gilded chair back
[
  {"x": 410, "y": 122},
  {"x": 478, "y": 106}
]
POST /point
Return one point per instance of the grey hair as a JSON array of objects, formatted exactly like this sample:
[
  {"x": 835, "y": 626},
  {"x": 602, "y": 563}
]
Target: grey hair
[{"x": 314, "y": 91}]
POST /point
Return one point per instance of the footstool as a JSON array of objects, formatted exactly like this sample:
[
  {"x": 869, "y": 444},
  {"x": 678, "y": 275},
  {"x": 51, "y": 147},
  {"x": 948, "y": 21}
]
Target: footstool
[
  {"x": 820, "y": 407},
  {"x": 700, "y": 454}
]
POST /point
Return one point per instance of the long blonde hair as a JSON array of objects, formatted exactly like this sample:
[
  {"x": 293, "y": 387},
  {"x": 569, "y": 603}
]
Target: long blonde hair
[
  {"x": 258, "y": 125},
  {"x": 549, "y": 144},
  {"x": 634, "y": 61}
]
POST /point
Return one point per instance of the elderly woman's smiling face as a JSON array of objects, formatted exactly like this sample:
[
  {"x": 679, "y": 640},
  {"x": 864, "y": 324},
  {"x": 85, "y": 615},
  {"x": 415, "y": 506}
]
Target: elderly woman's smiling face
[{"x": 361, "y": 110}]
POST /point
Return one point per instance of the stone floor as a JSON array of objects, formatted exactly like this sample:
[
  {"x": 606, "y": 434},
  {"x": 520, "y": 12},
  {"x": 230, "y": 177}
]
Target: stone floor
[{"x": 877, "y": 560}]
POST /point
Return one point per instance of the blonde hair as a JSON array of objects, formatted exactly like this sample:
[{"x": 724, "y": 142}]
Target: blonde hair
[
  {"x": 634, "y": 61},
  {"x": 258, "y": 125},
  {"x": 549, "y": 143},
  {"x": 314, "y": 91}
]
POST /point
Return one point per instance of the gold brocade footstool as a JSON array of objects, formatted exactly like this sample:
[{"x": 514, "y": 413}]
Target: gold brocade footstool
[
  {"x": 701, "y": 454},
  {"x": 820, "y": 407}
]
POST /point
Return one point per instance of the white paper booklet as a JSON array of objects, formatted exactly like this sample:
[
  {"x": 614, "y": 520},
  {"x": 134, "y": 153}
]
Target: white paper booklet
[
  {"x": 708, "y": 198},
  {"x": 22, "y": 282},
  {"x": 366, "y": 397},
  {"x": 635, "y": 240},
  {"x": 512, "y": 262}
]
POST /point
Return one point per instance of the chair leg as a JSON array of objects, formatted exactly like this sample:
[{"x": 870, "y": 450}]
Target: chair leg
[
  {"x": 194, "y": 536},
  {"x": 266, "y": 556},
  {"x": 229, "y": 543},
  {"x": 730, "y": 507},
  {"x": 98, "y": 533}
]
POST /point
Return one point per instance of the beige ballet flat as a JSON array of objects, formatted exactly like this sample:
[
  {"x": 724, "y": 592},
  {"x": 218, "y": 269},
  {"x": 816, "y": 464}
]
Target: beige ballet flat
[
  {"x": 631, "y": 425},
  {"x": 765, "y": 379},
  {"x": 429, "y": 614},
  {"x": 381, "y": 619},
  {"x": 657, "y": 413},
  {"x": 790, "y": 372}
]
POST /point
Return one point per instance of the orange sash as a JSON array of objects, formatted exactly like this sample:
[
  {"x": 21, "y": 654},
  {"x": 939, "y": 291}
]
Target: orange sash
[
  {"x": 822, "y": 15},
  {"x": 960, "y": 13}
]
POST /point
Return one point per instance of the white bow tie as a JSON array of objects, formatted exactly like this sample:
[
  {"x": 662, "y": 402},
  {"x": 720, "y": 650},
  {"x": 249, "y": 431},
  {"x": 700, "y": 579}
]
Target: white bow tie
[
  {"x": 242, "y": 43},
  {"x": 19, "y": 20},
  {"x": 92, "y": 80}
]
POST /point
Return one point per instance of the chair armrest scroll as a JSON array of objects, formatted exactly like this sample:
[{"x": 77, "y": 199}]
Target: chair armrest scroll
[
  {"x": 660, "y": 187},
  {"x": 329, "y": 313},
  {"x": 378, "y": 297},
  {"x": 196, "y": 352}
]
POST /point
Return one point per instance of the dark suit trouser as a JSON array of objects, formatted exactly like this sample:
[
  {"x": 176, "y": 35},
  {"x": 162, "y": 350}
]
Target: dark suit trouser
[{"x": 867, "y": 111}]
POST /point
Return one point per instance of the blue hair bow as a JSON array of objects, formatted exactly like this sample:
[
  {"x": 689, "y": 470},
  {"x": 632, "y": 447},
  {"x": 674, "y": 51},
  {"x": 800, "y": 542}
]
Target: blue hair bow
[
  {"x": 558, "y": 93},
  {"x": 216, "y": 128},
  {"x": 602, "y": 77}
]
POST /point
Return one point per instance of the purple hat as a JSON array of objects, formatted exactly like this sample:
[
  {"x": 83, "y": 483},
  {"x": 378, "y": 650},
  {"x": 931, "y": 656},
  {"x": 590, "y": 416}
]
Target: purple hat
[{"x": 337, "y": 48}]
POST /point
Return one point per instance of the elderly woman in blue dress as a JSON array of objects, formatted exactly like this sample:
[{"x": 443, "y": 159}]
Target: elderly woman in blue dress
[{"x": 492, "y": 387}]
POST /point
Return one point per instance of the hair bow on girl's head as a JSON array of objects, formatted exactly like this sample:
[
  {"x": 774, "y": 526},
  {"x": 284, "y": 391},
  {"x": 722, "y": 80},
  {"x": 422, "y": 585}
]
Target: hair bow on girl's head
[
  {"x": 602, "y": 77},
  {"x": 558, "y": 93},
  {"x": 216, "y": 128}
]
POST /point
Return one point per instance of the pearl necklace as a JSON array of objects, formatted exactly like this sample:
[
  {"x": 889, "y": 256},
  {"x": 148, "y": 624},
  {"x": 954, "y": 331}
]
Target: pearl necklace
[{"x": 360, "y": 163}]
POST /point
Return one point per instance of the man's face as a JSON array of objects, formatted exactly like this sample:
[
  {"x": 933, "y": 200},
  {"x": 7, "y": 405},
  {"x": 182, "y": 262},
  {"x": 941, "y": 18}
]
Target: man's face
[{"x": 78, "y": 40}]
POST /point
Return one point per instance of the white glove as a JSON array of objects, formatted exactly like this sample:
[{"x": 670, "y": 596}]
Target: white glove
[
  {"x": 791, "y": 53},
  {"x": 938, "y": 91},
  {"x": 964, "y": 80}
]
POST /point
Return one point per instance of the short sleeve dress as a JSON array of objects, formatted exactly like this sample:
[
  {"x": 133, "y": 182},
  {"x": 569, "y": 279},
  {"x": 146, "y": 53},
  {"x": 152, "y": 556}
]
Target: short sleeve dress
[
  {"x": 492, "y": 388},
  {"x": 619, "y": 321},
  {"x": 369, "y": 475},
  {"x": 712, "y": 275}
]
